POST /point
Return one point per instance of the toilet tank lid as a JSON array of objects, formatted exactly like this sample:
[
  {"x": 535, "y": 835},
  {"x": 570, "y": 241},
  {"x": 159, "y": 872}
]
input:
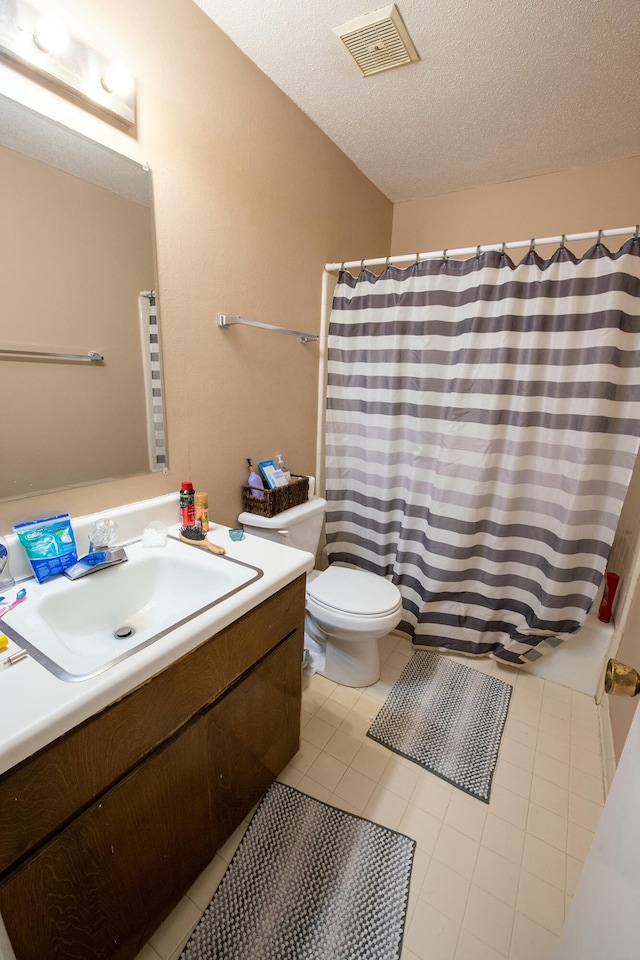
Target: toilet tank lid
[
  {"x": 285, "y": 519},
  {"x": 354, "y": 591}
]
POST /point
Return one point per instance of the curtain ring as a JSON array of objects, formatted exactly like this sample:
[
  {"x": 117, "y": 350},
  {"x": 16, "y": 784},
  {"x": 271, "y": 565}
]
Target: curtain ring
[
  {"x": 599, "y": 240},
  {"x": 361, "y": 265},
  {"x": 636, "y": 235},
  {"x": 417, "y": 258},
  {"x": 502, "y": 248},
  {"x": 388, "y": 264},
  {"x": 532, "y": 245},
  {"x": 444, "y": 256},
  {"x": 342, "y": 264},
  {"x": 478, "y": 250},
  {"x": 563, "y": 241}
]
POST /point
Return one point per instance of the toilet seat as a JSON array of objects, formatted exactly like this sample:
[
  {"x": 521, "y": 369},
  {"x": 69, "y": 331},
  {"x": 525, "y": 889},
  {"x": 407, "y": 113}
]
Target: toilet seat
[{"x": 354, "y": 592}]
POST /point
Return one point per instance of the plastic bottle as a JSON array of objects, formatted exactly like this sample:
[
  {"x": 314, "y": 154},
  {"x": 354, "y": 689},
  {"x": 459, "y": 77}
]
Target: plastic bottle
[
  {"x": 187, "y": 505},
  {"x": 202, "y": 511},
  {"x": 281, "y": 466},
  {"x": 255, "y": 482},
  {"x": 611, "y": 581},
  {"x": 6, "y": 580}
]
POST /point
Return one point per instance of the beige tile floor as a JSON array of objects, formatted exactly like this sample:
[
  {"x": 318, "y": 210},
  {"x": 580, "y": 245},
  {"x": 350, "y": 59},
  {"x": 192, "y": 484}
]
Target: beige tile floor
[{"x": 489, "y": 882}]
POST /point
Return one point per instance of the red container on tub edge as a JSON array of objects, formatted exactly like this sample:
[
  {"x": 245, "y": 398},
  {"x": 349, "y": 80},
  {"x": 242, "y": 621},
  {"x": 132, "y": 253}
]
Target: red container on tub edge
[{"x": 611, "y": 581}]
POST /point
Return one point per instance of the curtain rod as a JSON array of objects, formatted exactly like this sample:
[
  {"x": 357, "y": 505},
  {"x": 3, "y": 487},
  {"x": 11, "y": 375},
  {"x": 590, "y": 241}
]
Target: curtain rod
[{"x": 482, "y": 248}]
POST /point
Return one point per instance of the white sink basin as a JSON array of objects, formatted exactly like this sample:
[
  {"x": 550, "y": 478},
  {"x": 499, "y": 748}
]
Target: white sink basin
[{"x": 70, "y": 626}]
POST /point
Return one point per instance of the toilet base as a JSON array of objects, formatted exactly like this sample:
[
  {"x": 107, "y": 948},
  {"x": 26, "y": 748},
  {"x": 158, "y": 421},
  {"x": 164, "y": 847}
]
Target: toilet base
[
  {"x": 351, "y": 663},
  {"x": 314, "y": 653}
]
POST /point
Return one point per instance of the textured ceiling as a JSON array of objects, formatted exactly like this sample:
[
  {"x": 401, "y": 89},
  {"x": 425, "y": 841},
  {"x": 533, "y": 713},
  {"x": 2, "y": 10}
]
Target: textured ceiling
[{"x": 503, "y": 90}]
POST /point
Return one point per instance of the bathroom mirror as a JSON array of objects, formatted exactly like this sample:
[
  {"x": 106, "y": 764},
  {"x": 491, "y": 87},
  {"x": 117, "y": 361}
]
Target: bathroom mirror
[{"x": 77, "y": 277}]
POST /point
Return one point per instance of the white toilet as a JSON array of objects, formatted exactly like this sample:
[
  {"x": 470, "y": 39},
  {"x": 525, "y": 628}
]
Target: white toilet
[{"x": 347, "y": 610}]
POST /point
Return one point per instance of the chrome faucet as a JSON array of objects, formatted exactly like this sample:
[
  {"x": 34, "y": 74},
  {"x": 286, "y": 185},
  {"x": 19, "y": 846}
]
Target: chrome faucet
[{"x": 100, "y": 556}]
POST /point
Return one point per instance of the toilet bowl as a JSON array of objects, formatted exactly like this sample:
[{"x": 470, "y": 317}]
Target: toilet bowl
[{"x": 347, "y": 610}]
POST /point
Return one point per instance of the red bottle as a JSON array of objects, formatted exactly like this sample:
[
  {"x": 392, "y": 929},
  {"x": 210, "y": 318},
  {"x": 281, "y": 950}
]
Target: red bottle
[
  {"x": 187, "y": 505},
  {"x": 611, "y": 581}
]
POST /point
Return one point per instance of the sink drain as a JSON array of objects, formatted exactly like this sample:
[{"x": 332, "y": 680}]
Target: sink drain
[{"x": 123, "y": 633}]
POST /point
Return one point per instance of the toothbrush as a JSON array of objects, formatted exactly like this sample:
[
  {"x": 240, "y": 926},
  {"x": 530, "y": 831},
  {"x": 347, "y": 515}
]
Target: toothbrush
[
  {"x": 20, "y": 596},
  {"x": 14, "y": 658}
]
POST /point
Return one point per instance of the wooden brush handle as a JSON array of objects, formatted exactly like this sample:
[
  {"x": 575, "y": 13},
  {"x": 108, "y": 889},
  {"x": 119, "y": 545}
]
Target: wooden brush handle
[
  {"x": 211, "y": 546},
  {"x": 220, "y": 551}
]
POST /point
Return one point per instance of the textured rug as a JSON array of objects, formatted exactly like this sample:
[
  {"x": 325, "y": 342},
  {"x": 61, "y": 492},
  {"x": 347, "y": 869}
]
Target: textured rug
[
  {"x": 448, "y": 718},
  {"x": 309, "y": 882}
]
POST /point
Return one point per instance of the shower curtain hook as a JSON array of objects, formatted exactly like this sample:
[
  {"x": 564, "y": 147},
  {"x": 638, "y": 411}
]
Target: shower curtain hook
[
  {"x": 532, "y": 245},
  {"x": 388, "y": 264},
  {"x": 478, "y": 250},
  {"x": 503, "y": 248},
  {"x": 444, "y": 255},
  {"x": 636, "y": 235},
  {"x": 563, "y": 240},
  {"x": 599, "y": 240},
  {"x": 361, "y": 266}
]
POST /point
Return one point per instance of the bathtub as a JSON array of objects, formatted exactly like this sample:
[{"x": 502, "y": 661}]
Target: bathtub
[{"x": 578, "y": 662}]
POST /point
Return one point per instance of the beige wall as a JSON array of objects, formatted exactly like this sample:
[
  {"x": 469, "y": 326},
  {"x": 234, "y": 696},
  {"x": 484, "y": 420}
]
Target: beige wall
[
  {"x": 251, "y": 200},
  {"x": 73, "y": 259},
  {"x": 574, "y": 201}
]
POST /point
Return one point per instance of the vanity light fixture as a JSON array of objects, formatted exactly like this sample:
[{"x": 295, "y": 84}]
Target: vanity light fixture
[
  {"x": 41, "y": 43},
  {"x": 50, "y": 36},
  {"x": 117, "y": 79}
]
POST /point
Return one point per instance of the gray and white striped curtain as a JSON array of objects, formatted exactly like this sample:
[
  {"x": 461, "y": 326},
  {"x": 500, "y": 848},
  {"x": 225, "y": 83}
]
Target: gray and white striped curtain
[{"x": 482, "y": 426}]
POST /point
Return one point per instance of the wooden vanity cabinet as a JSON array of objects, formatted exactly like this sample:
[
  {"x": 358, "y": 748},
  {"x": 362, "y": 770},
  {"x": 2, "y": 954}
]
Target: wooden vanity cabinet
[{"x": 99, "y": 883}]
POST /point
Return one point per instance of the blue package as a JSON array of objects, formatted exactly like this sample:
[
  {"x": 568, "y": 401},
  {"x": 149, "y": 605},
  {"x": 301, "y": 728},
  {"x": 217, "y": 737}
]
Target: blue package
[{"x": 49, "y": 544}]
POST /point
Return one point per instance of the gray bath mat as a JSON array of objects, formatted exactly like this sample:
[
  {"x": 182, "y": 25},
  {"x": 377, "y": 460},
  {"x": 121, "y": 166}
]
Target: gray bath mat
[
  {"x": 448, "y": 718},
  {"x": 309, "y": 882}
]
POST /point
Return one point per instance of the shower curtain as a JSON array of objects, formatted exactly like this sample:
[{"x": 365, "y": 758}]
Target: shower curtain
[{"x": 482, "y": 425}]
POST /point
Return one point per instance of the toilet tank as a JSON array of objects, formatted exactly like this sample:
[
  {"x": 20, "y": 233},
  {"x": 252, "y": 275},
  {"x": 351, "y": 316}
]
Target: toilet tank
[{"x": 298, "y": 527}]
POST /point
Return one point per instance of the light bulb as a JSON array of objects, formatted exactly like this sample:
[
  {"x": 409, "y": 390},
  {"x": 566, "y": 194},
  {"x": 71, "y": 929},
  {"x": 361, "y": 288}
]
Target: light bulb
[
  {"x": 50, "y": 36},
  {"x": 117, "y": 79}
]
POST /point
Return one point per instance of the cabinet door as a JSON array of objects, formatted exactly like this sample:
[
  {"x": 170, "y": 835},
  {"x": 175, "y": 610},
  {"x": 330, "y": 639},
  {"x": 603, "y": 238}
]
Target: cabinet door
[
  {"x": 100, "y": 888},
  {"x": 252, "y": 735}
]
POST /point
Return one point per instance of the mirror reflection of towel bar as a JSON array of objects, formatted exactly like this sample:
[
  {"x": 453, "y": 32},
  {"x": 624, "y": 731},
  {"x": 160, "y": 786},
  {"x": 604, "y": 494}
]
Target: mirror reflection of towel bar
[{"x": 91, "y": 357}]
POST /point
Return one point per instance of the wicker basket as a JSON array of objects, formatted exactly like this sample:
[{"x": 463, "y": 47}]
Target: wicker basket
[{"x": 277, "y": 500}]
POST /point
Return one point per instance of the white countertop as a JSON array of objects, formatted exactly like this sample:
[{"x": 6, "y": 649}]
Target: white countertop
[{"x": 36, "y": 707}]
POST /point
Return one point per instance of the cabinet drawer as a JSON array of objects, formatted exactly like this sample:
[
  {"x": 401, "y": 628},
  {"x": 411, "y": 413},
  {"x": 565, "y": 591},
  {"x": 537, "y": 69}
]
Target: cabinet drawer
[{"x": 46, "y": 791}]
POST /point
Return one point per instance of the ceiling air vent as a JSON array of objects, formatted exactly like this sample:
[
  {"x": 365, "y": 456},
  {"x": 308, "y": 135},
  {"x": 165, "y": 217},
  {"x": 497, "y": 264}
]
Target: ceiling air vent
[{"x": 378, "y": 41}]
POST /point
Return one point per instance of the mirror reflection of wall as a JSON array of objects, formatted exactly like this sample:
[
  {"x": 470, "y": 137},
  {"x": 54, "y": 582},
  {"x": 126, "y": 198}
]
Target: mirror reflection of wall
[{"x": 76, "y": 251}]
